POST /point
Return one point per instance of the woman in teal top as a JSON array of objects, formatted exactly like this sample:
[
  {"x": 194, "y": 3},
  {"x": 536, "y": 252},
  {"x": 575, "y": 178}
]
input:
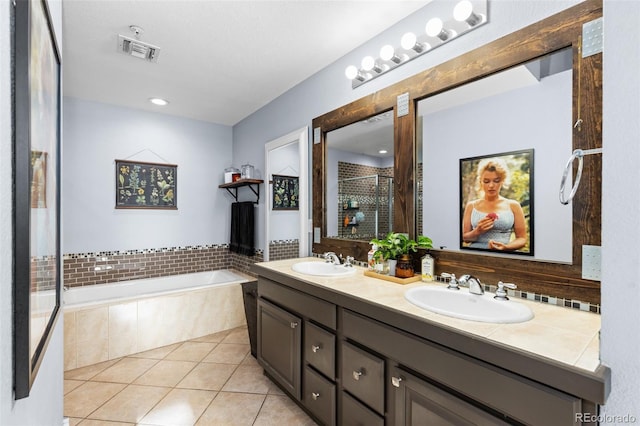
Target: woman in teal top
[{"x": 493, "y": 222}]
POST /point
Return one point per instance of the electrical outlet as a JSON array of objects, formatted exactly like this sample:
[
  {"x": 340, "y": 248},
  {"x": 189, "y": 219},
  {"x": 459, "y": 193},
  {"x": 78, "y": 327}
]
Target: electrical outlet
[{"x": 591, "y": 262}]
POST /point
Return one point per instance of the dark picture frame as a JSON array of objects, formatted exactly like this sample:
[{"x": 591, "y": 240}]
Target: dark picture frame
[
  {"x": 514, "y": 171},
  {"x": 36, "y": 239},
  {"x": 141, "y": 185},
  {"x": 286, "y": 192}
]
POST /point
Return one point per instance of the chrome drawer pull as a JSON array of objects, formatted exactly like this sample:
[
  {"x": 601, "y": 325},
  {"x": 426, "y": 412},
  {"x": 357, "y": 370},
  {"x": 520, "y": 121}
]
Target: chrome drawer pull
[
  {"x": 315, "y": 395},
  {"x": 294, "y": 324},
  {"x": 357, "y": 374},
  {"x": 316, "y": 348},
  {"x": 395, "y": 381}
]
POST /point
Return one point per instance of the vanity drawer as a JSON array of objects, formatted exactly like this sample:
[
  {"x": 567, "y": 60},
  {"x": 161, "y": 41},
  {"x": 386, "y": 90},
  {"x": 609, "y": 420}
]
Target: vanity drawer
[
  {"x": 319, "y": 396},
  {"x": 308, "y": 306},
  {"x": 363, "y": 376},
  {"x": 320, "y": 349},
  {"x": 353, "y": 413}
]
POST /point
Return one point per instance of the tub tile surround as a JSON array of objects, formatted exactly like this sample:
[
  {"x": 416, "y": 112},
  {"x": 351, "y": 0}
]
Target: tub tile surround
[
  {"x": 81, "y": 269},
  {"x": 93, "y": 334},
  {"x": 569, "y": 336},
  {"x": 165, "y": 387}
]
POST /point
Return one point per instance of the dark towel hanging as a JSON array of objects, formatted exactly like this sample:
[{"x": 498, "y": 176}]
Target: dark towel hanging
[{"x": 242, "y": 229}]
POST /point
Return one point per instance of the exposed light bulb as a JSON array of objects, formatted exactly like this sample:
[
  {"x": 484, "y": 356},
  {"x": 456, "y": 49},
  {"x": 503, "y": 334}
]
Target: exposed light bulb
[
  {"x": 463, "y": 12},
  {"x": 351, "y": 72},
  {"x": 435, "y": 28},
  {"x": 387, "y": 52},
  {"x": 368, "y": 63},
  {"x": 409, "y": 41}
]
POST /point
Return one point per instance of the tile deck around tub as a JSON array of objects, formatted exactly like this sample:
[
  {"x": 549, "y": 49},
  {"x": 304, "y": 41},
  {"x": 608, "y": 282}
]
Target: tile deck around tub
[{"x": 212, "y": 380}]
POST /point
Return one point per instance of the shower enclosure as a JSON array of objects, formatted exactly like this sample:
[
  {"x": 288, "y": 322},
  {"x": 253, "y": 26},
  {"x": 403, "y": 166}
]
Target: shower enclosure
[{"x": 365, "y": 207}]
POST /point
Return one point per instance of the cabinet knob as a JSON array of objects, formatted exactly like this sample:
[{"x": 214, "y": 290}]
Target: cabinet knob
[
  {"x": 294, "y": 324},
  {"x": 356, "y": 374},
  {"x": 316, "y": 348},
  {"x": 395, "y": 381},
  {"x": 315, "y": 395}
]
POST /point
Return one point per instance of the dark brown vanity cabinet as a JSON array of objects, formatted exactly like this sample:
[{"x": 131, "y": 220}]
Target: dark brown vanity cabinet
[
  {"x": 417, "y": 402},
  {"x": 297, "y": 346},
  {"x": 279, "y": 345}
]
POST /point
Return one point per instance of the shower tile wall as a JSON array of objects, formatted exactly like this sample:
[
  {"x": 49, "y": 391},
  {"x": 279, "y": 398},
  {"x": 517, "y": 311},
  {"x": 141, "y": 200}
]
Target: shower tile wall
[{"x": 364, "y": 194}]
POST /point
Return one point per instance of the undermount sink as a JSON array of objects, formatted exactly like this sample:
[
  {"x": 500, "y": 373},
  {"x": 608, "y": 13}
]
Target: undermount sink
[
  {"x": 464, "y": 305},
  {"x": 322, "y": 269}
]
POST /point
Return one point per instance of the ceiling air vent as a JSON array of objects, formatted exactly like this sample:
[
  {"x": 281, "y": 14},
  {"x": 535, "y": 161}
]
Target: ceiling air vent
[{"x": 138, "y": 49}]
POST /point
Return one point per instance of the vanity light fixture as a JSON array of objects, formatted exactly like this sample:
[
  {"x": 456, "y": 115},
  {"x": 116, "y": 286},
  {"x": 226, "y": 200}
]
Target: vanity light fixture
[
  {"x": 158, "y": 101},
  {"x": 466, "y": 16}
]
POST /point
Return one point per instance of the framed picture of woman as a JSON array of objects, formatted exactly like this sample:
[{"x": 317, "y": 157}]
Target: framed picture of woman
[{"x": 496, "y": 203}]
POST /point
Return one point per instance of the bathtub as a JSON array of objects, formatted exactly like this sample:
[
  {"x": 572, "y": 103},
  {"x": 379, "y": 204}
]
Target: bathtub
[{"x": 109, "y": 321}]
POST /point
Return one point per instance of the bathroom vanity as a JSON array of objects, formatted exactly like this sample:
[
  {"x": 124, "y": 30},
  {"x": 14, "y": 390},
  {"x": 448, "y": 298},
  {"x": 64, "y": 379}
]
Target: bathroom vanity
[{"x": 352, "y": 350}]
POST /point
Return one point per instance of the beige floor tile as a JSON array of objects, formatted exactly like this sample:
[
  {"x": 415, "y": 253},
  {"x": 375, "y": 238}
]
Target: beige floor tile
[
  {"x": 191, "y": 351},
  {"x": 249, "y": 360},
  {"x": 232, "y": 409},
  {"x": 207, "y": 376},
  {"x": 228, "y": 353},
  {"x": 131, "y": 404},
  {"x": 70, "y": 385},
  {"x": 86, "y": 373},
  {"x": 158, "y": 353},
  {"x": 212, "y": 338},
  {"x": 280, "y": 410},
  {"x": 126, "y": 370},
  {"x": 74, "y": 421},
  {"x": 166, "y": 373},
  {"x": 89, "y": 422},
  {"x": 237, "y": 335},
  {"x": 181, "y": 407},
  {"x": 86, "y": 398},
  {"x": 248, "y": 379}
]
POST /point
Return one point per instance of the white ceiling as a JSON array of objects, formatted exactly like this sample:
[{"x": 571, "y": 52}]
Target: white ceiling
[{"x": 219, "y": 61}]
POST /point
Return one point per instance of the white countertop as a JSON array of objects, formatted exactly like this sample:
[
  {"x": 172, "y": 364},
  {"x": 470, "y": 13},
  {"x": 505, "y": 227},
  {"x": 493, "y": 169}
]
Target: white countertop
[{"x": 561, "y": 334}]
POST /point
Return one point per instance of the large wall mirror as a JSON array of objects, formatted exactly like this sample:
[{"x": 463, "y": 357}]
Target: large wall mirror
[
  {"x": 526, "y": 107},
  {"x": 430, "y": 141}
]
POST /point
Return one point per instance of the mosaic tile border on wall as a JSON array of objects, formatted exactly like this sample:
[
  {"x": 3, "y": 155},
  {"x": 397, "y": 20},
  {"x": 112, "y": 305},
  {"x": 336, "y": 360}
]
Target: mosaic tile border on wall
[{"x": 103, "y": 267}]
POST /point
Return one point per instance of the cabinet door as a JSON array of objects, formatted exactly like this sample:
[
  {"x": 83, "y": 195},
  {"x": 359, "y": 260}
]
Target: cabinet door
[
  {"x": 417, "y": 402},
  {"x": 279, "y": 344}
]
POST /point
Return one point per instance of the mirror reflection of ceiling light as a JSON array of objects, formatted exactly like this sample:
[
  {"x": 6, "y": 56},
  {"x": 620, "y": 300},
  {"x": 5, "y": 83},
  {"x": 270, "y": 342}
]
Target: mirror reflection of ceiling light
[
  {"x": 467, "y": 15},
  {"x": 159, "y": 101}
]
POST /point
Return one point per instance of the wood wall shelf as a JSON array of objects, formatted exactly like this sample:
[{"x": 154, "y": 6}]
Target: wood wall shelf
[{"x": 252, "y": 184}]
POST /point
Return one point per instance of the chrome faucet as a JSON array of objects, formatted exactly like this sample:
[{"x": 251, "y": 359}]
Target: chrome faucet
[
  {"x": 331, "y": 257},
  {"x": 474, "y": 284}
]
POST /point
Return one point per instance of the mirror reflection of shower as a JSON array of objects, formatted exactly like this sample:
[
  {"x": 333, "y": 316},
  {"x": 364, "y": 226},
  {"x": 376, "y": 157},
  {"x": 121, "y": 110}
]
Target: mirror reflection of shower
[
  {"x": 359, "y": 179},
  {"x": 365, "y": 206}
]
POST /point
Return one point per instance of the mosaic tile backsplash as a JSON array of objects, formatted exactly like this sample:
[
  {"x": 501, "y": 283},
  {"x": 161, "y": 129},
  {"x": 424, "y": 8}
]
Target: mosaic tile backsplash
[{"x": 81, "y": 269}]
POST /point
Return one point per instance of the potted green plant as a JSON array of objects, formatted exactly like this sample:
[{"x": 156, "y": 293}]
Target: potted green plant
[{"x": 397, "y": 247}]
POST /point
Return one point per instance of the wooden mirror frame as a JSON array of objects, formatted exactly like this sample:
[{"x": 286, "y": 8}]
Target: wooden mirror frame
[{"x": 554, "y": 33}]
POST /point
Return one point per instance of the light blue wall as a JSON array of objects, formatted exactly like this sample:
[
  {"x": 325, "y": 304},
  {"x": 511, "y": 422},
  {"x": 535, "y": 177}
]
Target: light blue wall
[
  {"x": 98, "y": 134},
  {"x": 44, "y": 404},
  {"x": 620, "y": 334}
]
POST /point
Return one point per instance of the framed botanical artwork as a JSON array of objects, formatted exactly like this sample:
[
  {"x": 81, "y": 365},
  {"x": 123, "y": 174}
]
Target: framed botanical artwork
[
  {"x": 36, "y": 286},
  {"x": 286, "y": 193},
  {"x": 496, "y": 203},
  {"x": 146, "y": 185}
]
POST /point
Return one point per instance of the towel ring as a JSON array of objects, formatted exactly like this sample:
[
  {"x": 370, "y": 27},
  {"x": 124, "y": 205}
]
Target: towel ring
[{"x": 578, "y": 153}]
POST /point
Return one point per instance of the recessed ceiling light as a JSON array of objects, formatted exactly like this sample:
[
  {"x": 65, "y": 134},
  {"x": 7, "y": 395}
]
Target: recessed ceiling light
[
  {"x": 158, "y": 101},
  {"x": 382, "y": 151}
]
